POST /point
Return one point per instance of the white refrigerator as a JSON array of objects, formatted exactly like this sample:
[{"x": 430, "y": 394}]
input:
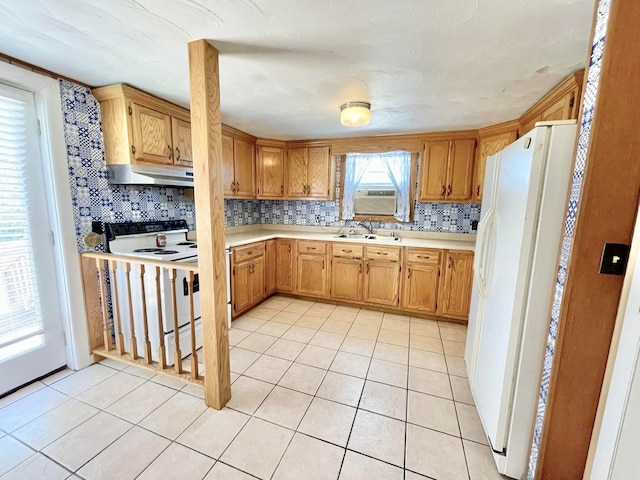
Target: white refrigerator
[{"x": 523, "y": 209}]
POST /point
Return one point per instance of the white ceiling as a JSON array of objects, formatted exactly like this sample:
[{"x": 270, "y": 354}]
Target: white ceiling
[{"x": 287, "y": 65}]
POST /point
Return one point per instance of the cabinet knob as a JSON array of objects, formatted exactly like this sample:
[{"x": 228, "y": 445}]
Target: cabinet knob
[
  {"x": 347, "y": 251},
  {"x": 133, "y": 149},
  {"x": 448, "y": 190},
  {"x": 424, "y": 257},
  {"x": 442, "y": 191},
  {"x": 478, "y": 191},
  {"x": 409, "y": 274},
  {"x": 170, "y": 151},
  {"x": 177, "y": 154},
  {"x": 281, "y": 189}
]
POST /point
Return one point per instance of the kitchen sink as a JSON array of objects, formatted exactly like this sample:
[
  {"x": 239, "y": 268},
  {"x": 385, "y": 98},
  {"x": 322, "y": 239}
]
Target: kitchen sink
[{"x": 359, "y": 236}]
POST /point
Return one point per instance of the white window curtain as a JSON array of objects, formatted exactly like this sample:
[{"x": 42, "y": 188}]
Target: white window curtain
[
  {"x": 398, "y": 165},
  {"x": 356, "y": 165}
]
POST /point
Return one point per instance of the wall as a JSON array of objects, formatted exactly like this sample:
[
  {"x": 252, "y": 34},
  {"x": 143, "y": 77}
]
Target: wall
[{"x": 94, "y": 199}]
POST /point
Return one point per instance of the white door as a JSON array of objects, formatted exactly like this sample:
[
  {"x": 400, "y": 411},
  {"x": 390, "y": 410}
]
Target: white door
[
  {"x": 31, "y": 337},
  {"x": 508, "y": 258}
]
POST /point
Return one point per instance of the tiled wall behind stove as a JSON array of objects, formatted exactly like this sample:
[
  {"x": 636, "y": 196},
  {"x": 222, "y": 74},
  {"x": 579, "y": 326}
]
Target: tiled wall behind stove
[{"x": 94, "y": 199}]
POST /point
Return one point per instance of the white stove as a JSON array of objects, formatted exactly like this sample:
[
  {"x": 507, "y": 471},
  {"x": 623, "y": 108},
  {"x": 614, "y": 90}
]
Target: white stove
[{"x": 158, "y": 240}]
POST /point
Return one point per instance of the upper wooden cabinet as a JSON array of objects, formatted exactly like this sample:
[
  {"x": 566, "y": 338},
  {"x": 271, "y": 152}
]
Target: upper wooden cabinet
[
  {"x": 140, "y": 128},
  {"x": 446, "y": 170},
  {"x": 270, "y": 170},
  {"x": 562, "y": 103},
  {"x": 239, "y": 165},
  {"x": 310, "y": 173},
  {"x": 492, "y": 140}
]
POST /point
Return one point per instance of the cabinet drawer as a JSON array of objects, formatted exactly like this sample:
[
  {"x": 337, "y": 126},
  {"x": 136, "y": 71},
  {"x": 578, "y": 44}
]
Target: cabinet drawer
[
  {"x": 347, "y": 250},
  {"x": 247, "y": 252},
  {"x": 383, "y": 253},
  {"x": 423, "y": 255},
  {"x": 307, "y": 246}
]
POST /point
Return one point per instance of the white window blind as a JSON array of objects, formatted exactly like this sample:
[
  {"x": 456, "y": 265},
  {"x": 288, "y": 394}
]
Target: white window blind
[{"x": 21, "y": 323}]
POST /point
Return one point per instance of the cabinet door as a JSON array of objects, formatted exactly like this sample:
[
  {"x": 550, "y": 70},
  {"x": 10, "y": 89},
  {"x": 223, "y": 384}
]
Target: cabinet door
[
  {"x": 318, "y": 165},
  {"x": 562, "y": 109},
  {"x": 284, "y": 265},
  {"x": 256, "y": 280},
  {"x": 182, "y": 142},
  {"x": 240, "y": 290},
  {"x": 270, "y": 266},
  {"x": 433, "y": 171},
  {"x": 297, "y": 172},
  {"x": 312, "y": 275},
  {"x": 270, "y": 167},
  {"x": 488, "y": 146},
  {"x": 420, "y": 292},
  {"x": 227, "y": 166},
  {"x": 151, "y": 135},
  {"x": 382, "y": 283},
  {"x": 455, "y": 289},
  {"x": 244, "y": 168},
  {"x": 460, "y": 170},
  {"x": 346, "y": 279}
]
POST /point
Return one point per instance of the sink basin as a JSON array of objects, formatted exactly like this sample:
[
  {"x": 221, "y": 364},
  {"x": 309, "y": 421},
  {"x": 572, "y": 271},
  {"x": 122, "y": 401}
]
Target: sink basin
[{"x": 360, "y": 236}]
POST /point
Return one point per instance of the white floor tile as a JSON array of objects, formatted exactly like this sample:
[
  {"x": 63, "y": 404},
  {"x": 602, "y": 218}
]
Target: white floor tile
[
  {"x": 136, "y": 405},
  {"x": 309, "y": 321},
  {"x": 83, "y": 443},
  {"x": 54, "y": 424},
  {"x": 329, "y": 421},
  {"x": 298, "y": 333},
  {"x": 379, "y": 437},
  {"x": 268, "y": 369},
  {"x": 125, "y": 458},
  {"x": 394, "y": 338},
  {"x": 213, "y": 431},
  {"x": 430, "y": 344},
  {"x": 220, "y": 471},
  {"x": 177, "y": 462},
  {"x": 23, "y": 392},
  {"x": 430, "y": 381},
  {"x": 284, "y": 407},
  {"x": 303, "y": 378},
  {"x": 247, "y": 394},
  {"x": 470, "y": 424},
  {"x": 428, "y": 360},
  {"x": 385, "y": 400},
  {"x": 22, "y": 411},
  {"x": 453, "y": 334},
  {"x": 288, "y": 318},
  {"x": 13, "y": 453},
  {"x": 391, "y": 353},
  {"x": 456, "y": 366},
  {"x": 257, "y": 342},
  {"x": 115, "y": 364},
  {"x": 236, "y": 335},
  {"x": 358, "y": 346},
  {"x": 316, "y": 356},
  {"x": 396, "y": 325},
  {"x": 351, "y": 364},
  {"x": 310, "y": 459},
  {"x": 258, "y": 448},
  {"x": 241, "y": 359},
  {"x": 250, "y": 324},
  {"x": 336, "y": 326},
  {"x": 480, "y": 462},
  {"x": 341, "y": 388},
  {"x": 461, "y": 390},
  {"x": 327, "y": 340},
  {"x": 359, "y": 467},
  {"x": 425, "y": 329},
  {"x": 58, "y": 376},
  {"x": 273, "y": 328},
  {"x": 286, "y": 349},
  {"x": 388, "y": 372},
  {"x": 83, "y": 380},
  {"x": 111, "y": 390},
  {"x": 435, "y": 454},
  {"x": 37, "y": 467},
  {"x": 171, "y": 382},
  {"x": 454, "y": 349},
  {"x": 140, "y": 371},
  {"x": 174, "y": 416},
  {"x": 433, "y": 412}
]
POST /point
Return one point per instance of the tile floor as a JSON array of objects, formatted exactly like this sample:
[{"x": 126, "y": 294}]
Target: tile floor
[{"x": 319, "y": 392}]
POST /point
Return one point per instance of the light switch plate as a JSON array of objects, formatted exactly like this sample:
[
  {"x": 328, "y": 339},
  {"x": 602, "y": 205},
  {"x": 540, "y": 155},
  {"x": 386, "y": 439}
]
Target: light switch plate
[{"x": 614, "y": 258}]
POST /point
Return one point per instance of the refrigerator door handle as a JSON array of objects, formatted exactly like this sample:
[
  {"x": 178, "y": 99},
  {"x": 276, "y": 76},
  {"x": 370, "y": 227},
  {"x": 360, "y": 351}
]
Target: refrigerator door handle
[{"x": 480, "y": 260}]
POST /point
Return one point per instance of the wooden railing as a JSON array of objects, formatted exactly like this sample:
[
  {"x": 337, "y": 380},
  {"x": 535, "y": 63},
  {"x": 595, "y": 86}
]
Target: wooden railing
[{"x": 102, "y": 277}]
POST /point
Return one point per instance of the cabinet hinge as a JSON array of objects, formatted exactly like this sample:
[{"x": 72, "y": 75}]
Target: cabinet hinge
[{"x": 130, "y": 110}]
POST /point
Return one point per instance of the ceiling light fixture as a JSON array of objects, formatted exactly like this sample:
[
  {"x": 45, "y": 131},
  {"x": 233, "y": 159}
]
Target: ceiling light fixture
[{"x": 355, "y": 114}]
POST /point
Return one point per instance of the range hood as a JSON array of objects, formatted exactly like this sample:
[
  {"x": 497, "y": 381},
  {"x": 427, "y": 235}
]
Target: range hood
[{"x": 149, "y": 175}]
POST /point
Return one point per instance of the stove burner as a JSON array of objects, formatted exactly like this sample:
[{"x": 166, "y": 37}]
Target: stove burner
[
  {"x": 166, "y": 252},
  {"x": 147, "y": 250},
  {"x": 194, "y": 246},
  {"x": 186, "y": 243}
]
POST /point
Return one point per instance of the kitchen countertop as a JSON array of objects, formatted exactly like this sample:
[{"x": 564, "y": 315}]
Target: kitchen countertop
[{"x": 236, "y": 236}]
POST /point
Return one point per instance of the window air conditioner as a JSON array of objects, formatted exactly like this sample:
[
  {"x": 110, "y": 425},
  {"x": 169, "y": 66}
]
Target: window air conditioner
[{"x": 374, "y": 202}]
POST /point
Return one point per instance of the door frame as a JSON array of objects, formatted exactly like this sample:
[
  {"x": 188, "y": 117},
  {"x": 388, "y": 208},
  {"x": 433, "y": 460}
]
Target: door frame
[{"x": 53, "y": 151}]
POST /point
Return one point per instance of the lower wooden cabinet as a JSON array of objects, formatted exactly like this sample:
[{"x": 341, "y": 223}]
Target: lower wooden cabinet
[
  {"x": 311, "y": 275},
  {"x": 420, "y": 289},
  {"x": 346, "y": 278},
  {"x": 284, "y": 265},
  {"x": 455, "y": 289},
  {"x": 382, "y": 283},
  {"x": 270, "y": 266},
  {"x": 247, "y": 277}
]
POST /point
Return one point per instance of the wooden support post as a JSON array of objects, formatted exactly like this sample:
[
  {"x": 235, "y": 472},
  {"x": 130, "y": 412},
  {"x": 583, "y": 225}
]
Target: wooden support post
[
  {"x": 177, "y": 356},
  {"x": 145, "y": 321},
  {"x": 162, "y": 359},
  {"x": 132, "y": 327},
  {"x": 113, "y": 267},
  {"x": 206, "y": 135},
  {"x": 192, "y": 323}
]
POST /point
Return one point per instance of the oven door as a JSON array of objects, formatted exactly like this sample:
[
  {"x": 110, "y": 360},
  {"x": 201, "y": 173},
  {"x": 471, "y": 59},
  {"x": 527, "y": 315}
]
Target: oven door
[{"x": 182, "y": 300}]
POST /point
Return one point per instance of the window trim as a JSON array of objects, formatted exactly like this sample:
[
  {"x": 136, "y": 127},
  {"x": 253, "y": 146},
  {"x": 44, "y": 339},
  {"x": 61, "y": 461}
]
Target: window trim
[{"x": 382, "y": 218}]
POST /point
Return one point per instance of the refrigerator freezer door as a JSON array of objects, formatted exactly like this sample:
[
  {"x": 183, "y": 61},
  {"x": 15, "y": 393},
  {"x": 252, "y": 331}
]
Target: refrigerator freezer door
[{"x": 507, "y": 266}]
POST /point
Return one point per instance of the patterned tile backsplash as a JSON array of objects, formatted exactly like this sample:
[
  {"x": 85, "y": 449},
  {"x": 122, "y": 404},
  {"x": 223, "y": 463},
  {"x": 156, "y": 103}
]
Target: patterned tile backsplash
[{"x": 94, "y": 199}]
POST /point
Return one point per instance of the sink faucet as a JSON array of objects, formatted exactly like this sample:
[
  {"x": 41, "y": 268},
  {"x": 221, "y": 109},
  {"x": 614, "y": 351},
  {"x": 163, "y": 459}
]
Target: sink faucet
[{"x": 368, "y": 228}]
